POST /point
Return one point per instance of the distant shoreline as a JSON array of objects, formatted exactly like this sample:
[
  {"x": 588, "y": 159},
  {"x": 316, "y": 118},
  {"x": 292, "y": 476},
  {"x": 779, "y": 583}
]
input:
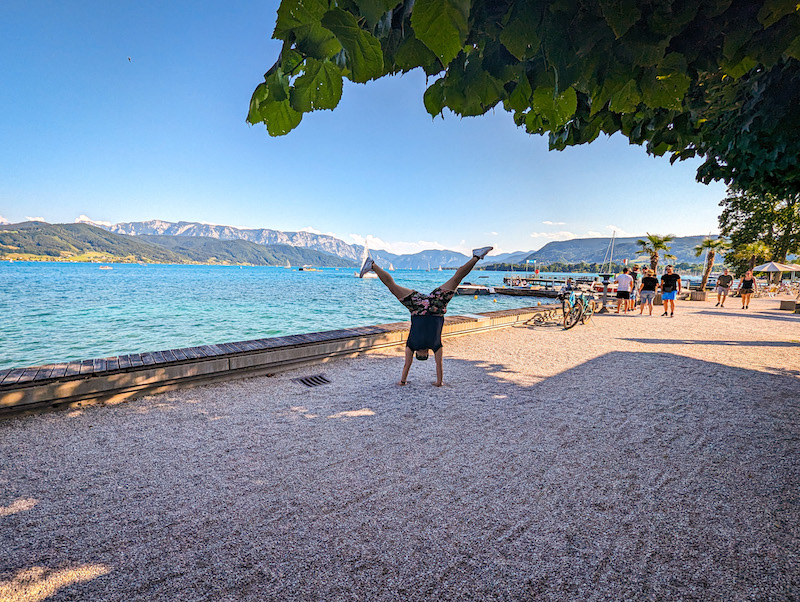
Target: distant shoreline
[{"x": 124, "y": 261}]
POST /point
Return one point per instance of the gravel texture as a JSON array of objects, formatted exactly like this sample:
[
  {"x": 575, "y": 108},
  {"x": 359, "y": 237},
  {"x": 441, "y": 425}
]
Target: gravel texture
[{"x": 635, "y": 458}]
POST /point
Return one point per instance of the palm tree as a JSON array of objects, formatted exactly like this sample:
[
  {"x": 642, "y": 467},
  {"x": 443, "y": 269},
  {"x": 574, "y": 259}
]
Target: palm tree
[
  {"x": 711, "y": 246},
  {"x": 653, "y": 245}
]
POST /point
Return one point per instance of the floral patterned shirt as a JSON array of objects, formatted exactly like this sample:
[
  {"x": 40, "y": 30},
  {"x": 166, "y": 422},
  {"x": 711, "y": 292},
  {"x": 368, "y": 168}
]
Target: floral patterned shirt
[{"x": 434, "y": 303}]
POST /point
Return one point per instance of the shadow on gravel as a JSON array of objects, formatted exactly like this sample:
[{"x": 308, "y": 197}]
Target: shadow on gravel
[
  {"x": 631, "y": 476},
  {"x": 746, "y": 313},
  {"x": 722, "y": 343}
]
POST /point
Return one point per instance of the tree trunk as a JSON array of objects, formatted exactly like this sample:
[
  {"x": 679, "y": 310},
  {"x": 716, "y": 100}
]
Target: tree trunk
[
  {"x": 654, "y": 262},
  {"x": 707, "y": 273}
]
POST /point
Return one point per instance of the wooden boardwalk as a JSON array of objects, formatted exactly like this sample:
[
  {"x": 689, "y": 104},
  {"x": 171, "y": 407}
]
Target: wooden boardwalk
[{"x": 121, "y": 377}]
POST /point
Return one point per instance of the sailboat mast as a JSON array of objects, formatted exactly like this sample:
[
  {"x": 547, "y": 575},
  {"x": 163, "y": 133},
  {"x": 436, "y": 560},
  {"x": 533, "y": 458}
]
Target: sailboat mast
[{"x": 609, "y": 253}]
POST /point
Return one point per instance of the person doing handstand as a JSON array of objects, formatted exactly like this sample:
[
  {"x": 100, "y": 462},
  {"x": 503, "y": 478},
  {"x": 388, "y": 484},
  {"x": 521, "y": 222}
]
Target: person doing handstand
[{"x": 427, "y": 312}]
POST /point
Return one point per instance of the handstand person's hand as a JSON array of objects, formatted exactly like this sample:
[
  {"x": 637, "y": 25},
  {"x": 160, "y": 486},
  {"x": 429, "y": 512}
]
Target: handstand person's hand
[
  {"x": 438, "y": 384},
  {"x": 401, "y": 383}
]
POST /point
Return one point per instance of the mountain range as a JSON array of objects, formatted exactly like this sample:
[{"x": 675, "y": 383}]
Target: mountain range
[
  {"x": 192, "y": 242},
  {"x": 595, "y": 250},
  {"x": 84, "y": 242},
  {"x": 260, "y": 236}
]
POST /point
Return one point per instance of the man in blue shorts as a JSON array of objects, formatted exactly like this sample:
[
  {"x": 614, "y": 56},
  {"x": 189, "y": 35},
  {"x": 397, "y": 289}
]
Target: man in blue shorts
[
  {"x": 670, "y": 288},
  {"x": 427, "y": 312}
]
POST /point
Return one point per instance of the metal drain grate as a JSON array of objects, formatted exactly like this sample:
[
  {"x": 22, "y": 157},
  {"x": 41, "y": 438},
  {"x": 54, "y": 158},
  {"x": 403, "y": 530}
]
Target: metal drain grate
[{"x": 312, "y": 381}]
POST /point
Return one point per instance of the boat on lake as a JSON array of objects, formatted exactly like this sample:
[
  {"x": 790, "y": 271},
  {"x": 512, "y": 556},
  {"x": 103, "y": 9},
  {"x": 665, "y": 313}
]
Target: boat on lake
[{"x": 468, "y": 288}]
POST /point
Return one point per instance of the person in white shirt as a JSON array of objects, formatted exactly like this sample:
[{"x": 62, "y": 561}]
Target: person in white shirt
[{"x": 624, "y": 285}]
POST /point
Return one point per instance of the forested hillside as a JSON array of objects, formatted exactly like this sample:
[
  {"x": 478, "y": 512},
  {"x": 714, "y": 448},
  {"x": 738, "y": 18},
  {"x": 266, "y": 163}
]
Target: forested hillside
[
  {"x": 202, "y": 249},
  {"x": 39, "y": 240},
  {"x": 83, "y": 242}
]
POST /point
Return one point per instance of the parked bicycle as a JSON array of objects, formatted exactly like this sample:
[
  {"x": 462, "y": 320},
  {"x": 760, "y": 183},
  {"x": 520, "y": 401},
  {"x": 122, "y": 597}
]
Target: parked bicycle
[
  {"x": 582, "y": 307},
  {"x": 574, "y": 308}
]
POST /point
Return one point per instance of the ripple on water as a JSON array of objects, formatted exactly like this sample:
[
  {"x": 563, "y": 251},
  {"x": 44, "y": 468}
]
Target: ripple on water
[{"x": 65, "y": 312}]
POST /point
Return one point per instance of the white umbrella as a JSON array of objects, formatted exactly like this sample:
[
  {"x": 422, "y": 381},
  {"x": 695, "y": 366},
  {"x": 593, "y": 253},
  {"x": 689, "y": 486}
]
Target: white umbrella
[
  {"x": 794, "y": 267},
  {"x": 772, "y": 266}
]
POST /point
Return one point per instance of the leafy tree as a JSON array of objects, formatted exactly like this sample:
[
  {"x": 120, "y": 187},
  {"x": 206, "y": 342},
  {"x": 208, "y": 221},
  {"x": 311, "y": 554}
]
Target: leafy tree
[
  {"x": 710, "y": 246},
  {"x": 774, "y": 220},
  {"x": 712, "y": 78},
  {"x": 654, "y": 245}
]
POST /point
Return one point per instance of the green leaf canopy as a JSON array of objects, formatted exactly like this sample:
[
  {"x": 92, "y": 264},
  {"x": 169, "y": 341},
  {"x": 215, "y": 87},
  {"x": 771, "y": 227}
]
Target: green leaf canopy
[{"x": 719, "y": 79}]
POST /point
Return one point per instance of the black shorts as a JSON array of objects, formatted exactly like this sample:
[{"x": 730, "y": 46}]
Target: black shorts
[
  {"x": 623, "y": 294},
  {"x": 425, "y": 333}
]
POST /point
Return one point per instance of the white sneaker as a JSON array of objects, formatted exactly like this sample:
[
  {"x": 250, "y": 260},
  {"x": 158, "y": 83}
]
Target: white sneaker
[
  {"x": 481, "y": 253},
  {"x": 368, "y": 262}
]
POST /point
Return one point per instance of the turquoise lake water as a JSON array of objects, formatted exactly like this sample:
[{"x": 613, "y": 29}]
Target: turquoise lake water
[{"x": 55, "y": 312}]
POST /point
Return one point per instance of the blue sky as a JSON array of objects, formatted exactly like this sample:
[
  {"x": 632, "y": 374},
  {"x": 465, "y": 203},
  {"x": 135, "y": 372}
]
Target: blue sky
[{"x": 86, "y": 132}]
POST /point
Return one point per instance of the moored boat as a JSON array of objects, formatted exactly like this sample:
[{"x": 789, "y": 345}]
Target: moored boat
[{"x": 467, "y": 288}]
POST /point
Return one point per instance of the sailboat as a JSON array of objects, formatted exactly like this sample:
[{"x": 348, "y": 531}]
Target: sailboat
[
  {"x": 288, "y": 265},
  {"x": 391, "y": 267}
]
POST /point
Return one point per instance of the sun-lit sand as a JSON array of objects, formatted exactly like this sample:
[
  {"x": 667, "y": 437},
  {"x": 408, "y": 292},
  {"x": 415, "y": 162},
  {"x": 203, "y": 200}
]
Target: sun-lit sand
[{"x": 635, "y": 458}]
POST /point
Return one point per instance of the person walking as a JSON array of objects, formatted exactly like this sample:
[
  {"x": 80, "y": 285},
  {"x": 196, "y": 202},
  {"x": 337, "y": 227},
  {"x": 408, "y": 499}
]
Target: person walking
[
  {"x": 634, "y": 287},
  {"x": 647, "y": 291},
  {"x": 723, "y": 287},
  {"x": 746, "y": 287},
  {"x": 670, "y": 288},
  {"x": 624, "y": 286},
  {"x": 427, "y": 312}
]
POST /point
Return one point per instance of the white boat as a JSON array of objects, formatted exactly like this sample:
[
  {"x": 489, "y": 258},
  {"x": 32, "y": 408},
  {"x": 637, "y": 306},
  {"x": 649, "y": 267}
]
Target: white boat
[
  {"x": 467, "y": 288},
  {"x": 288, "y": 265}
]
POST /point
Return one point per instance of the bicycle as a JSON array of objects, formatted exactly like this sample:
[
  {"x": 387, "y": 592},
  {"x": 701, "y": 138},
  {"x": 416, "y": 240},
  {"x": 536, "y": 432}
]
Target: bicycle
[
  {"x": 582, "y": 307},
  {"x": 574, "y": 308}
]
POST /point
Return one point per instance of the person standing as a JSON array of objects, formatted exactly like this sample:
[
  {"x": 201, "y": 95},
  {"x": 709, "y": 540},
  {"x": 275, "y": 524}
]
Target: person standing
[
  {"x": 624, "y": 286},
  {"x": 634, "y": 287},
  {"x": 746, "y": 287},
  {"x": 647, "y": 291},
  {"x": 723, "y": 287},
  {"x": 670, "y": 288}
]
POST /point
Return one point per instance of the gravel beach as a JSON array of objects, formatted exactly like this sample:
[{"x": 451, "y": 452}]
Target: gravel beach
[{"x": 634, "y": 458}]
